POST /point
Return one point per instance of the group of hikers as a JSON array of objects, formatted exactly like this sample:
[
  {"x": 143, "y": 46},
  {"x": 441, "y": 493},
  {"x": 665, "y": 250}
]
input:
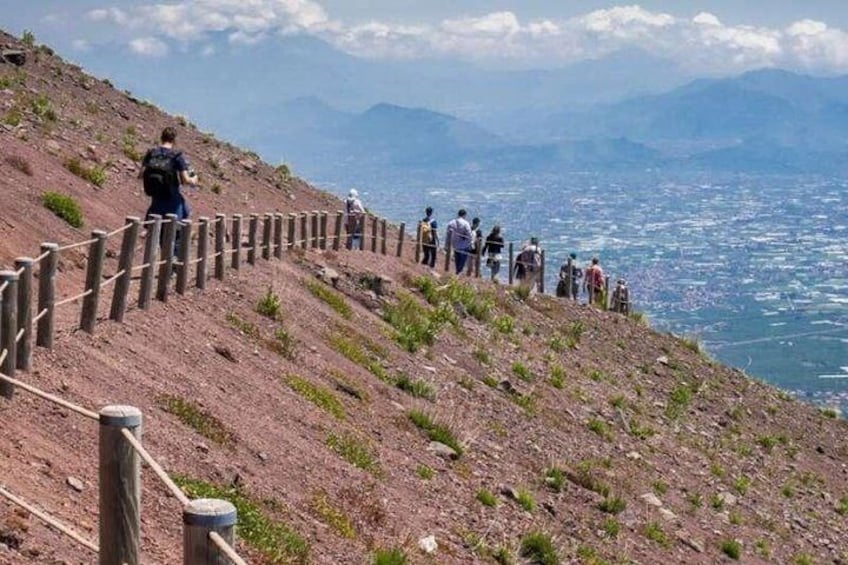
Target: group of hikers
[{"x": 164, "y": 170}]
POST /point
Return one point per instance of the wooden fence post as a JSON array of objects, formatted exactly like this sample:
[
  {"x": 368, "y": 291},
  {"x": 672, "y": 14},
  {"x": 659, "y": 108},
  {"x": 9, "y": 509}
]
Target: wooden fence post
[
  {"x": 200, "y": 518},
  {"x": 448, "y": 248},
  {"x": 47, "y": 294},
  {"x": 236, "y": 241},
  {"x": 401, "y": 235},
  {"x": 125, "y": 266},
  {"x": 24, "y": 265},
  {"x": 384, "y": 232},
  {"x": 290, "y": 233},
  {"x": 569, "y": 278},
  {"x": 337, "y": 239},
  {"x": 202, "y": 252},
  {"x": 151, "y": 257},
  {"x": 374, "y": 223},
  {"x": 251, "y": 239},
  {"x": 606, "y": 293},
  {"x": 220, "y": 239},
  {"x": 542, "y": 274},
  {"x": 322, "y": 242},
  {"x": 304, "y": 236},
  {"x": 314, "y": 228},
  {"x": 418, "y": 244},
  {"x": 185, "y": 256},
  {"x": 278, "y": 235},
  {"x": 93, "y": 278},
  {"x": 120, "y": 486},
  {"x": 478, "y": 258},
  {"x": 511, "y": 263},
  {"x": 169, "y": 239},
  {"x": 9, "y": 329},
  {"x": 267, "y": 241}
]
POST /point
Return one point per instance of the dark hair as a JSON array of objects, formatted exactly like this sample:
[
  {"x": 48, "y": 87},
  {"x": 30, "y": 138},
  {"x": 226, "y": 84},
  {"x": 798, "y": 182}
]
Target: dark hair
[
  {"x": 595, "y": 260},
  {"x": 428, "y": 210},
  {"x": 169, "y": 135},
  {"x": 475, "y": 221},
  {"x": 462, "y": 213}
]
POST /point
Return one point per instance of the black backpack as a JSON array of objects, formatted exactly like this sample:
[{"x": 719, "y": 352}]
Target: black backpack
[{"x": 161, "y": 178}]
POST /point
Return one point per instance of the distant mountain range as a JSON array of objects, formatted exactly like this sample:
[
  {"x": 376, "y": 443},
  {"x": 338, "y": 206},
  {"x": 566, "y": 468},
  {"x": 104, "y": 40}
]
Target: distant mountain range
[{"x": 300, "y": 100}]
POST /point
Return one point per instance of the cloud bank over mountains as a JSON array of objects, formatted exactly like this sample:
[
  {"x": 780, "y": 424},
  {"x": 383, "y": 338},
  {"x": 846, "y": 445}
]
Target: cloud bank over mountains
[{"x": 701, "y": 43}]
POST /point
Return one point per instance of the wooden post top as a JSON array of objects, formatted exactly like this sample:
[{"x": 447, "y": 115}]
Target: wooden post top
[
  {"x": 9, "y": 275},
  {"x": 120, "y": 416},
  {"x": 209, "y": 513}
]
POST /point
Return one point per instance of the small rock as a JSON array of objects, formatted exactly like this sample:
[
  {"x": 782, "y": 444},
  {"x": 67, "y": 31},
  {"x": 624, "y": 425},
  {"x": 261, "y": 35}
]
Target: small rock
[
  {"x": 689, "y": 541},
  {"x": 53, "y": 147},
  {"x": 428, "y": 545},
  {"x": 430, "y": 369},
  {"x": 507, "y": 387},
  {"x": 727, "y": 499},
  {"x": 662, "y": 360},
  {"x": 225, "y": 353},
  {"x": 202, "y": 447},
  {"x": 262, "y": 456},
  {"x": 443, "y": 450},
  {"x": 509, "y": 492},
  {"x": 549, "y": 508},
  {"x": 399, "y": 406},
  {"x": 75, "y": 484},
  {"x": 328, "y": 275},
  {"x": 668, "y": 515},
  {"x": 450, "y": 360},
  {"x": 651, "y": 500},
  {"x": 634, "y": 455}
]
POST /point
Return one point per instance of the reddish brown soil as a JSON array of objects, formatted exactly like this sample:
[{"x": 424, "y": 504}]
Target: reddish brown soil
[{"x": 783, "y": 461}]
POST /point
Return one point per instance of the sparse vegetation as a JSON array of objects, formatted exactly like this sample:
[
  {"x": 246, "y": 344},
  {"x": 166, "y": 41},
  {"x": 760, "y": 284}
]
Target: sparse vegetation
[
  {"x": 557, "y": 376},
  {"x": 741, "y": 485},
  {"x": 612, "y": 505},
  {"x": 28, "y": 38},
  {"x": 355, "y": 451},
  {"x": 332, "y": 298},
  {"x": 63, "y": 206},
  {"x": 441, "y": 433},
  {"x": 43, "y": 108},
  {"x": 415, "y": 325},
  {"x": 842, "y": 506},
  {"x": 456, "y": 295},
  {"x": 129, "y": 146},
  {"x": 555, "y": 479},
  {"x": 354, "y": 352},
  {"x": 654, "y": 532},
  {"x": 660, "y": 487},
  {"x": 425, "y": 473},
  {"x": 274, "y": 540},
  {"x": 611, "y": 527},
  {"x": 194, "y": 416},
  {"x": 332, "y": 515},
  {"x": 505, "y": 324},
  {"x": 521, "y": 292},
  {"x": 487, "y": 498},
  {"x": 395, "y": 556},
  {"x": 319, "y": 396},
  {"x": 247, "y": 328},
  {"x": 600, "y": 427},
  {"x": 538, "y": 547},
  {"x": 283, "y": 344},
  {"x": 678, "y": 401},
  {"x": 525, "y": 500},
  {"x": 731, "y": 548},
  {"x": 415, "y": 387},
  {"x": 522, "y": 371},
  {"x": 482, "y": 356},
  {"x": 269, "y": 304},
  {"x": 95, "y": 175}
]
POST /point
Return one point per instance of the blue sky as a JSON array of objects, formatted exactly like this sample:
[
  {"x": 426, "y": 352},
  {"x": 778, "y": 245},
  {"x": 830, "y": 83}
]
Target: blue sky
[{"x": 717, "y": 36}]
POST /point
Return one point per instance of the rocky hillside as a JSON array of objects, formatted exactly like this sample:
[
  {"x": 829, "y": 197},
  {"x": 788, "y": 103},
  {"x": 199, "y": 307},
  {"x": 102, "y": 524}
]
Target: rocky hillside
[{"x": 351, "y": 426}]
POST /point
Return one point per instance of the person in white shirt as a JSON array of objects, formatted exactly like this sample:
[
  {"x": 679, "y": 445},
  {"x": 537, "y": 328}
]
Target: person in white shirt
[
  {"x": 355, "y": 219},
  {"x": 460, "y": 237}
]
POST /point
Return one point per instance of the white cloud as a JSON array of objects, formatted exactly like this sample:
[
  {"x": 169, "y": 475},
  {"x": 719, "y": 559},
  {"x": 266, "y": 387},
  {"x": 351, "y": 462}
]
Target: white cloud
[
  {"x": 149, "y": 47},
  {"x": 701, "y": 42}
]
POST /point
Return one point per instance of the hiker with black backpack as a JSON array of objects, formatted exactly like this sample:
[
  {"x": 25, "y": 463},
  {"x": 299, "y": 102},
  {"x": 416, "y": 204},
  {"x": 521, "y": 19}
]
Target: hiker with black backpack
[
  {"x": 429, "y": 238},
  {"x": 528, "y": 264},
  {"x": 163, "y": 171},
  {"x": 492, "y": 250}
]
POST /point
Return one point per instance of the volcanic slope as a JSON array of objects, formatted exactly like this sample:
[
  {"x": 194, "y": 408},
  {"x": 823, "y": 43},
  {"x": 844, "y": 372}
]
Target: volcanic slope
[{"x": 565, "y": 424}]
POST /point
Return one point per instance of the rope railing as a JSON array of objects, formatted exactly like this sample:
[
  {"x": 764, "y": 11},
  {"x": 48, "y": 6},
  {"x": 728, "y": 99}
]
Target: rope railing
[
  {"x": 47, "y": 396},
  {"x": 49, "y": 520},
  {"x": 112, "y": 279},
  {"x": 72, "y": 246},
  {"x": 156, "y": 467},
  {"x": 73, "y": 298},
  {"x": 226, "y": 549},
  {"x": 38, "y": 316},
  {"x": 119, "y": 230}
]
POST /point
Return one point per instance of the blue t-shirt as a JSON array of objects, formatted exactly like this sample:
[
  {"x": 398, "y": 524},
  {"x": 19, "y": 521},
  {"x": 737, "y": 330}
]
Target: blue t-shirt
[{"x": 173, "y": 203}]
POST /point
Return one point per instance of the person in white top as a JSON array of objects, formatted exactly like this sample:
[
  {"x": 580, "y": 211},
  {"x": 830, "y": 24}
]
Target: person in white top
[
  {"x": 460, "y": 237},
  {"x": 355, "y": 219}
]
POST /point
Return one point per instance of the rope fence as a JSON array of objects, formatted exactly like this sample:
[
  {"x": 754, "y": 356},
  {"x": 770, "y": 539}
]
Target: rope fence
[{"x": 170, "y": 248}]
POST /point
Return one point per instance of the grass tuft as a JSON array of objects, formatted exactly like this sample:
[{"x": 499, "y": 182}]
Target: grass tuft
[
  {"x": 525, "y": 500},
  {"x": 612, "y": 505},
  {"x": 415, "y": 325},
  {"x": 355, "y": 451},
  {"x": 555, "y": 479},
  {"x": 538, "y": 547},
  {"x": 395, "y": 556},
  {"x": 319, "y": 396},
  {"x": 557, "y": 377},
  {"x": 487, "y": 498},
  {"x": 654, "y": 532},
  {"x": 435, "y": 431},
  {"x": 332, "y": 515},
  {"x": 731, "y": 548},
  {"x": 332, "y": 298},
  {"x": 415, "y": 387},
  {"x": 522, "y": 371},
  {"x": 269, "y": 305},
  {"x": 95, "y": 175},
  {"x": 195, "y": 417}
]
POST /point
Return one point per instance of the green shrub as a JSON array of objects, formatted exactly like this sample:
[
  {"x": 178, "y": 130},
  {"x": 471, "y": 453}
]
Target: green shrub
[
  {"x": 319, "y": 396},
  {"x": 95, "y": 175},
  {"x": 482, "y": 356},
  {"x": 441, "y": 433},
  {"x": 332, "y": 515},
  {"x": 332, "y": 298},
  {"x": 538, "y": 548},
  {"x": 425, "y": 472},
  {"x": 129, "y": 147},
  {"x": 505, "y": 324},
  {"x": 557, "y": 376},
  {"x": 42, "y": 108},
  {"x": 354, "y": 352},
  {"x": 679, "y": 401},
  {"x": 274, "y": 540},
  {"x": 283, "y": 344},
  {"x": 63, "y": 206},
  {"x": 525, "y": 500},
  {"x": 731, "y": 548},
  {"x": 599, "y": 427},
  {"x": 655, "y": 533},
  {"x": 455, "y": 294},
  {"x": 355, "y": 451},
  {"x": 487, "y": 498},
  {"x": 414, "y": 324},
  {"x": 28, "y": 38},
  {"x": 611, "y": 527},
  {"x": 555, "y": 479},
  {"x": 247, "y": 328},
  {"x": 842, "y": 507},
  {"x": 574, "y": 332},
  {"x": 521, "y": 292},
  {"x": 269, "y": 305},
  {"x": 195, "y": 417}
]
